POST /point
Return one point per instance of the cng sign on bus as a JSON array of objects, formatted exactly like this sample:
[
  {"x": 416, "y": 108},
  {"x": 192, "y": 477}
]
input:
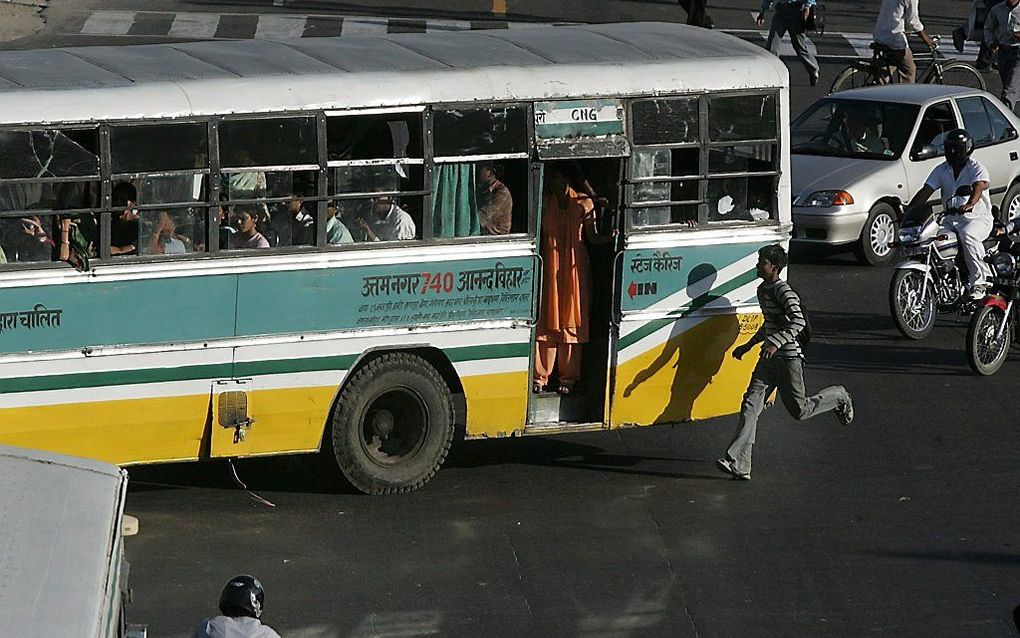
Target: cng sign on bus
[{"x": 580, "y": 128}]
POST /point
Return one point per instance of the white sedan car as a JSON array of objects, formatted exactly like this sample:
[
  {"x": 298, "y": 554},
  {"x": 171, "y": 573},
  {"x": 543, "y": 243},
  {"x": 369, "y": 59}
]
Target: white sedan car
[{"x": 855, "y": 154}]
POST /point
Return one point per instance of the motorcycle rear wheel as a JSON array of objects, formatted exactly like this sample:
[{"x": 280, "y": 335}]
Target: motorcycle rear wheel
[
  {"x": 985, "y": 353},
  {"x": 912, "y": 312}
]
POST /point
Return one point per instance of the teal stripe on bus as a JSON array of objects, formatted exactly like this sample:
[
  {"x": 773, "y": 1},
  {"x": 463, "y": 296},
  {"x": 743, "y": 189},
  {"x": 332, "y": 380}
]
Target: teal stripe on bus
[
  {"x": 688, "y": 308},
  {"x": 80, "y": 380}
]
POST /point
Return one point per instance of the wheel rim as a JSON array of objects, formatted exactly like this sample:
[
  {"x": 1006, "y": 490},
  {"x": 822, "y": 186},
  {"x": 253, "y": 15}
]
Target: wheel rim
[
  {"x": 883, "y": 231},
  {"x": 915, "y": 307},
  {"x": 395, "y": 427},
  {"x": 962, "y": 75},
  {"x": 1013, "y": 208},
  {"x": 989, "y": 349}
]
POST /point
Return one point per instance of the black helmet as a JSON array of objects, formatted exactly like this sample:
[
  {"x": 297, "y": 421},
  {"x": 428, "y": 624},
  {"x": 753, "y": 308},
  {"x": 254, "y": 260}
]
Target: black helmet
[
  {"x": 959, "y": 145},
  {"x": 242, "y": 596}
]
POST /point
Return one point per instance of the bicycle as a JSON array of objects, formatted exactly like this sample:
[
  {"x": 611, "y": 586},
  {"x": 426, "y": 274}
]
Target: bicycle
[{"x": 880, "y": 68}]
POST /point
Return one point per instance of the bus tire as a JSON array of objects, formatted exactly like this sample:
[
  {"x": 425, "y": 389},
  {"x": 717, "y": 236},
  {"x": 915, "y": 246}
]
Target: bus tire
[{"x": 393, "y": 424}]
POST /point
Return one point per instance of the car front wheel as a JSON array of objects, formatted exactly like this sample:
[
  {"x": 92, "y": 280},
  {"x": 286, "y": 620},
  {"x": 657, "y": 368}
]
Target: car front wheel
[{"x": 873, "y": 247}]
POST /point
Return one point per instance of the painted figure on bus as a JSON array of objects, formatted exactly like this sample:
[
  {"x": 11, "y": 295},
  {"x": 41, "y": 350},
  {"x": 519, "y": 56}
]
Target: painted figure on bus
[
  {"x": 568, "y": 218},
  {"x": 495, "y": 204}
]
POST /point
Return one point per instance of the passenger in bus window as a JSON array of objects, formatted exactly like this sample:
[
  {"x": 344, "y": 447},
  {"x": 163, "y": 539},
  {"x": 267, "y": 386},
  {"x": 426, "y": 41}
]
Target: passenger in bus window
[
  {"x": 568, "y": 218},
  {"x": 391, "y": 223},
  {"x": 495, "y": 204},
  {"x": 166, "y": 240},
  {"x": 31, "y": 242},
  {"x": 337, "y": 233},
  {"x": 246, "y": 235},
  {"x": 299, "y": 227},
  {"x": 225, "y": 229},
  {"x": 264, "y": 225},
  {"x": 124, "y": 224}
]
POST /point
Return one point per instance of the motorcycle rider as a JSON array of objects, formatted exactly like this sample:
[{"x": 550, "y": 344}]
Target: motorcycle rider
[
  {"x": 241, "y": 604},
  {"x": 972, "y": 222}
]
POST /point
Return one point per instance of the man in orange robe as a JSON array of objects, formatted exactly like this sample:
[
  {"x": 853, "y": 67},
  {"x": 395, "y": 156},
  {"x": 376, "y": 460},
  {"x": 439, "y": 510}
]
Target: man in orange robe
[{"x": 566, "y": 282}]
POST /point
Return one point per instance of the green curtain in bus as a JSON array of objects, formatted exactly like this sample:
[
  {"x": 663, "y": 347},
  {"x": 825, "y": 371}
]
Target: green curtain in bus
[{"x": 454, "y": 208}]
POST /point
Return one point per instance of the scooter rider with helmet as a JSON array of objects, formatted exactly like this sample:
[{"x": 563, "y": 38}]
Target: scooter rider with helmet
[
  {"x": 962, "y": 182},
  {"x": 241, "y": 604}
]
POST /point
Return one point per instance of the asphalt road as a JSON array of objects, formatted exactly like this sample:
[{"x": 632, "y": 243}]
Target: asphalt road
[{"x": 902, "y": 524}]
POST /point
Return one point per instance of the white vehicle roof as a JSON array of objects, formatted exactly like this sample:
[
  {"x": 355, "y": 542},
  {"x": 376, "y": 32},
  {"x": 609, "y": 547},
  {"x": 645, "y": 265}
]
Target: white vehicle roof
[
  {"x": 209, "y": 78},
  {"x": 907, "y": 93},
  {"x": 59, "y": 519}
]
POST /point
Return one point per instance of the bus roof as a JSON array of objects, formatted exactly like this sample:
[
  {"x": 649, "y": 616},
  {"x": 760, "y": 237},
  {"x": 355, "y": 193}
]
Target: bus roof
[
  {"x": 221, "y": 77},
  {"x": 60, "y": 518}
]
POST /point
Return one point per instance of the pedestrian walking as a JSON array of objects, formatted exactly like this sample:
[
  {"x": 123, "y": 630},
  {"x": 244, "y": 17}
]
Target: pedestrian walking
[
  {"x": 974, "y": 31},
  {"x": 780, "y": 365},
  {"x": 241, "y": 604},
  {"x": 897, "y": 18},
  {"x": 696, "y": 13},
  {"x": 1002, "y": 34},
  {"x": 789, "y": 18}
]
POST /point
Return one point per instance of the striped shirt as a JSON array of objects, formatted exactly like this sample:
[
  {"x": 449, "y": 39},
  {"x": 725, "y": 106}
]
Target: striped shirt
[{"x": 783, "y": 319}]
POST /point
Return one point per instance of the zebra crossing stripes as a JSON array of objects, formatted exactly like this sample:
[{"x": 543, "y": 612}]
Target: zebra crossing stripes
[{"x": 279, "y": 26}]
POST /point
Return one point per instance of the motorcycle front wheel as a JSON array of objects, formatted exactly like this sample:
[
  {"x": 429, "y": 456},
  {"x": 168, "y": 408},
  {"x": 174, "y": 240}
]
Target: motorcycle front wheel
[
  {"x": 985, "y": 353},
  {"x": 912, "y": 304}
]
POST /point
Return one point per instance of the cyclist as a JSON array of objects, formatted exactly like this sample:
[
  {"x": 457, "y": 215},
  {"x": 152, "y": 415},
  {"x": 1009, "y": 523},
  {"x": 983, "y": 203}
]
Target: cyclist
[
  {"x": 959, "y": 174},
  {"x": 896, "y": 18},
  {"x": 1002, "y": 34}
]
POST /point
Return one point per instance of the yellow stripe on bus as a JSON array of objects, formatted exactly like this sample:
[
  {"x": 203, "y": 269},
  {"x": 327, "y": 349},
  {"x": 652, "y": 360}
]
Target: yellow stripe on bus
[{"x": 497, "y": 404}]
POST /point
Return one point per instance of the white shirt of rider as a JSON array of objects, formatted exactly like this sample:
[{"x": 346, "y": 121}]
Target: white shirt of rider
[{"x": 943, "y": 180}]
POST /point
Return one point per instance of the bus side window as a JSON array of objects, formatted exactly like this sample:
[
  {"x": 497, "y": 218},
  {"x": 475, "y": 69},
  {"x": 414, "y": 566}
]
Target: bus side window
[
  {"x": 480, "y": 181},
  {"x": 376, "y": 177},
  {"x": 270, "y": 168},
  {"x": 46, "y": 175},
  {"x": 743, "y": 158},
  {"x": 160, "y": 175}
]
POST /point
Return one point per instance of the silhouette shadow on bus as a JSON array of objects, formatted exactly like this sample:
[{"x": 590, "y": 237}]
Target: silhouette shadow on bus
[{"x": 697, "y": 353}]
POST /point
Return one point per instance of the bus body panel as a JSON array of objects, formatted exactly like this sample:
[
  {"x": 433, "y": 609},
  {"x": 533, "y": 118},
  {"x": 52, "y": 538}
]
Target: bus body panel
[{"x": 684, "y": 309}]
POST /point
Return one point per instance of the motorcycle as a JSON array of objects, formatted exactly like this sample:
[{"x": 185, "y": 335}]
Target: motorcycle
[
  {"x": 930, "y": 280},
  {"x": 994, "y": 326}
]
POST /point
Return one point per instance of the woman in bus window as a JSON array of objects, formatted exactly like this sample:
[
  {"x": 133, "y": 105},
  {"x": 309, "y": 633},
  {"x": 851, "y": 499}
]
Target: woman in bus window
[{"x": 567, "y": 220}]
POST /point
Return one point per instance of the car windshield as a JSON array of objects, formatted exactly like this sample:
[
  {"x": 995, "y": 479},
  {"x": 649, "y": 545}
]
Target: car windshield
[{"x": 860, "y": 129}]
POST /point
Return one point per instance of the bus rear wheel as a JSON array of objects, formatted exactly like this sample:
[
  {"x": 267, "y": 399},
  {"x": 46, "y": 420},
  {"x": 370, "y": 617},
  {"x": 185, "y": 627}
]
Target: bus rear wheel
[{"x": 393, "y": 425}]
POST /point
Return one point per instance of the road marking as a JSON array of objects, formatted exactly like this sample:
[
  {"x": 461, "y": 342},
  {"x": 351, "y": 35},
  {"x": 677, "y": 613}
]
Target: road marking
[
  {"x": 362, "y": 26},
  {"x": 280, "y": 27},
  {"x": 194, "y": 25},
  {"x": 109, "y": 23},
  {"x": 432, "y": 26}
]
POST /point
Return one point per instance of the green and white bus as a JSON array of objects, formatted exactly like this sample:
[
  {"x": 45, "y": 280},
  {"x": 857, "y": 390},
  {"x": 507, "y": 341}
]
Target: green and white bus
[{"x": 280, "y": 248}]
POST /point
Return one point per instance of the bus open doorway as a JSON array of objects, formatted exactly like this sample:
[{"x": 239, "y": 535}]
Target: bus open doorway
[{"x": 578, "y": 242}]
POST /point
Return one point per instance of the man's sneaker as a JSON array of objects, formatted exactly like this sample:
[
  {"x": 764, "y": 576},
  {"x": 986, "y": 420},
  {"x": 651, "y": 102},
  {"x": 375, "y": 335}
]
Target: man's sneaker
[
  {"x": 726, "y": 465},
  {"x": 845, "y": 412}
]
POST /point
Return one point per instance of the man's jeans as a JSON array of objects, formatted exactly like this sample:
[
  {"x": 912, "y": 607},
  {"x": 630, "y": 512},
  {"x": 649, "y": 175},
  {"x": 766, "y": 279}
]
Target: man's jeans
[
  {"x": 788, "y": 19},
  {"x": 786, "y": 375},
  {"x": 1008, "y": 57}
]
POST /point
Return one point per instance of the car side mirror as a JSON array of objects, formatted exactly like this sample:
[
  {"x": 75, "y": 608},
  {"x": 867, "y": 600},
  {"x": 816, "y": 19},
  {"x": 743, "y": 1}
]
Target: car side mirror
[{"x": 926, "y": 152}]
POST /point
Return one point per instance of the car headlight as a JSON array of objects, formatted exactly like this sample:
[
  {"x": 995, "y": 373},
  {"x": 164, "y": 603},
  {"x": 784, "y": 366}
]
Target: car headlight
[
  {"x": 1004, "y": 263},
  {"x": 824, "y": 199}
]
